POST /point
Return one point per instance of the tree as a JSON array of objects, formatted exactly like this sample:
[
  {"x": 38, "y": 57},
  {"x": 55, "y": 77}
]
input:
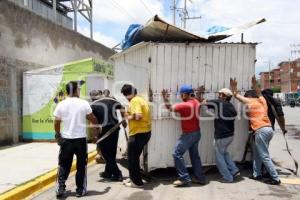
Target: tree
[{"x": 276, "y": 89}]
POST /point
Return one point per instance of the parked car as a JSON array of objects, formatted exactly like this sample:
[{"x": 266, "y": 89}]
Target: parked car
[{"x": 292, "y": 102}]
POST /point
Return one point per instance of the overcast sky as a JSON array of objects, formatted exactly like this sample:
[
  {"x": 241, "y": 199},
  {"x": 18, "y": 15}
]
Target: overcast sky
[{"x": 112, "y": 18}]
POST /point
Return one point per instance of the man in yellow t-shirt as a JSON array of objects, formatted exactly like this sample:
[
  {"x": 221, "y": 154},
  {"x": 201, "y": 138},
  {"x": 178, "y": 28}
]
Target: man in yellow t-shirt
[{"x": 139, "y": 118}]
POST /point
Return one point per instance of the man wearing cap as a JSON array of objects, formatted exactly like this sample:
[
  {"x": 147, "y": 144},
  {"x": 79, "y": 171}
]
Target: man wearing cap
[
  {"x": 225, "y": 114},
  {"x": 73, "y": 113},
  {"x": 189, "y": 111}
]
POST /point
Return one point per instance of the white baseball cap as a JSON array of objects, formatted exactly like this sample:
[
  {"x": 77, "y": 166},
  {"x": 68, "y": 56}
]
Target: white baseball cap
[{"x": 226, "y": 91}]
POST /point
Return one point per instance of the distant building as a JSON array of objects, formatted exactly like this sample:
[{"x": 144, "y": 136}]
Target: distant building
[
  {"x": 270, "y": 80},
  {"x": 290, "y": 76},
  {"x": 286, "y": 77}
]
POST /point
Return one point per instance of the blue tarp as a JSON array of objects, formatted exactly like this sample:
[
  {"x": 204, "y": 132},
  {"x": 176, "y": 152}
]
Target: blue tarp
[
  {"x": 216, "y": 29},
  {"x": 131, "y": 36}
]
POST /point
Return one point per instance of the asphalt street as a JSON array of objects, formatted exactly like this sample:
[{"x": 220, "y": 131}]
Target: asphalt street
[{"x": 160, "y": 184}]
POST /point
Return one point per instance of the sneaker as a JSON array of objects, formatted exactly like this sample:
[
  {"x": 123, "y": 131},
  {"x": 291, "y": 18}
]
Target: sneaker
[
  {"x": 126, "y": 181},
  {"x": 117, "y": 178},
  {"x": 266, "y": 176},
  {"x": 237, "y": 174},
  {"x": 222, "y": 180},
  {"x": 273, "y": 182},
  {"x": 180, "y": 183},
  {"x": 105, "y": 175},
  {"x": 257, "y": 178},
  {"x": 132, "y": 185},
  {"x": 80, "y": 193},
  {"x": 61, "y": 193},
  {"x": 200, "y": 182}
]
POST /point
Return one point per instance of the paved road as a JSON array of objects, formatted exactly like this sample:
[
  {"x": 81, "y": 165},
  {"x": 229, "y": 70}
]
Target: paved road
[{"x": 160, "y": 186}]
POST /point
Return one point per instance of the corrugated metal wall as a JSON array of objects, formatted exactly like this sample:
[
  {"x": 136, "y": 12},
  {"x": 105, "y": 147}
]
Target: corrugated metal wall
[
  {"x": 132, "y": 67},
  {"x": 172, "y": 65}
]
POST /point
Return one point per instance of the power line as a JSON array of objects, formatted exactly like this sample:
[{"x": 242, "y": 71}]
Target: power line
[
  {"x": 123, "y": 9},
  {"x": 148, "y": 9}
]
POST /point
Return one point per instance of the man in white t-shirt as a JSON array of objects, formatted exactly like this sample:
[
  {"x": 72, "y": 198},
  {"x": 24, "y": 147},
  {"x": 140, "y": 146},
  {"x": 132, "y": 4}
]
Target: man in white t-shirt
[{"x": 73, "y": 113}]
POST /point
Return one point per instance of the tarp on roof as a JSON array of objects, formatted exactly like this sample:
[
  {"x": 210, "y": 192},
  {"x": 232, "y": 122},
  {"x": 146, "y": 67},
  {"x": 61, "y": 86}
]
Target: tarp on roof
[{"x": 157, "y": 30}]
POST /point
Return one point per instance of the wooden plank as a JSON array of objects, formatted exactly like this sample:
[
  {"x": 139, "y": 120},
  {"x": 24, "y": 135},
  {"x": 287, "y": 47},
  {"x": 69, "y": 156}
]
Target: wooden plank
[
  {"x": 234, "y": 61},
  {"x": 221, "y": 71},
  {"x": 154, "y": 68},
  {"x": 160, "y": 67},
  {"x": 196, "y": 67},
  {"x": 215, "y": 67},
  {"x": 208, "y": 67},
  {"x": 175, "y": 67},
  {"x": 202, "y": 66},
  {"x": 182, "y": 66},
  {"x": 240, "y": 63},
  {"x": 246, "y": 68},
  {"x": 228, "y": 66},
  {"x": 188, "y": 65},
  {"x": 167, "y": 67}
]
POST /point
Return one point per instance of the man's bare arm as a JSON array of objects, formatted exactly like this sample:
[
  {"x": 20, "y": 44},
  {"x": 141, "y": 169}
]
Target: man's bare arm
[
  {"x": 57, "y": 123},
  {"x": 235, "y": 92},
  {"x": 166, "y": 100},
  {"x": 242, "y": 99},
  {"x": 95, "y": 128}
]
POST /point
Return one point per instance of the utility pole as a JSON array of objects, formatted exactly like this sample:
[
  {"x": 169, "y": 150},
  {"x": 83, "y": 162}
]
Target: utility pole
[
  {"x": 185, "y": 15},
  {"x": 290, "y": 83},
  {"x": 91, "y": 20},
  {"x": 269, "y": 74},
  {"x": 54, "y": 10},
  {"x": 173, "y": 8}
]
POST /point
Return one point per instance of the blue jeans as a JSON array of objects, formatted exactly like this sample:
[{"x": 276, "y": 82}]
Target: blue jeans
[
  {"x": 188, "y": 141},
  {"x": 261, "y": 153},
  {"x": 226, "y": 166}
]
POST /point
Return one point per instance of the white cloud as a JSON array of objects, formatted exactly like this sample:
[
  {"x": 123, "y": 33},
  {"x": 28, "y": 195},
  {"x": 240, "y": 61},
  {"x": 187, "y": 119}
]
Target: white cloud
[
  {"x": 275, "y": 35},
  {"x": 99, "y": 37},
  {"x": 122, "y": 14},
  {"x": 127, "y": 11}
]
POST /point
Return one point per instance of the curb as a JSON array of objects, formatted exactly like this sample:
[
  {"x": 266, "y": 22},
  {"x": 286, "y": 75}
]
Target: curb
[{"x": 38, "y": 183}]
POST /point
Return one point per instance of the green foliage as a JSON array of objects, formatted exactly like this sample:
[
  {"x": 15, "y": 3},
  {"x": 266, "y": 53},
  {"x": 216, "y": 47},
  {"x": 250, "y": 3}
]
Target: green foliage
[{"x": 276, "y": 89}]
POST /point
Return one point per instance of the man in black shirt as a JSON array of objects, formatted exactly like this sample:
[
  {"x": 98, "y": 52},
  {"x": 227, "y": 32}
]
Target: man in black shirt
[
  {"x": 105, "y": 111},
  {"x": 225, "y": 114},
  {"x": 272, "y": 102}
]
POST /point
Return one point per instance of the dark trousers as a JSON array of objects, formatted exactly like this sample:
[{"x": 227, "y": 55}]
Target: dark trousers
[
  {"x": 68, "y": 148},
  {"x": 108, "y": 148},
  {"x": 136, "y": 145}
]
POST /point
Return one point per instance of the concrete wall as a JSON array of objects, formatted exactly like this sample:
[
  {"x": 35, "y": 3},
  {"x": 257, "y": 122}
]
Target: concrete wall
[
  {"x": 29, "y": 37},
  {"x": 28, "y": 41},
  {"x": 45, "y": 11},
  {"x": 11, "y": 71}
]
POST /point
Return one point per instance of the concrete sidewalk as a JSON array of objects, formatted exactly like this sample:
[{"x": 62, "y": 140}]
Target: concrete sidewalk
[{"x": 26, "y": 161}]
